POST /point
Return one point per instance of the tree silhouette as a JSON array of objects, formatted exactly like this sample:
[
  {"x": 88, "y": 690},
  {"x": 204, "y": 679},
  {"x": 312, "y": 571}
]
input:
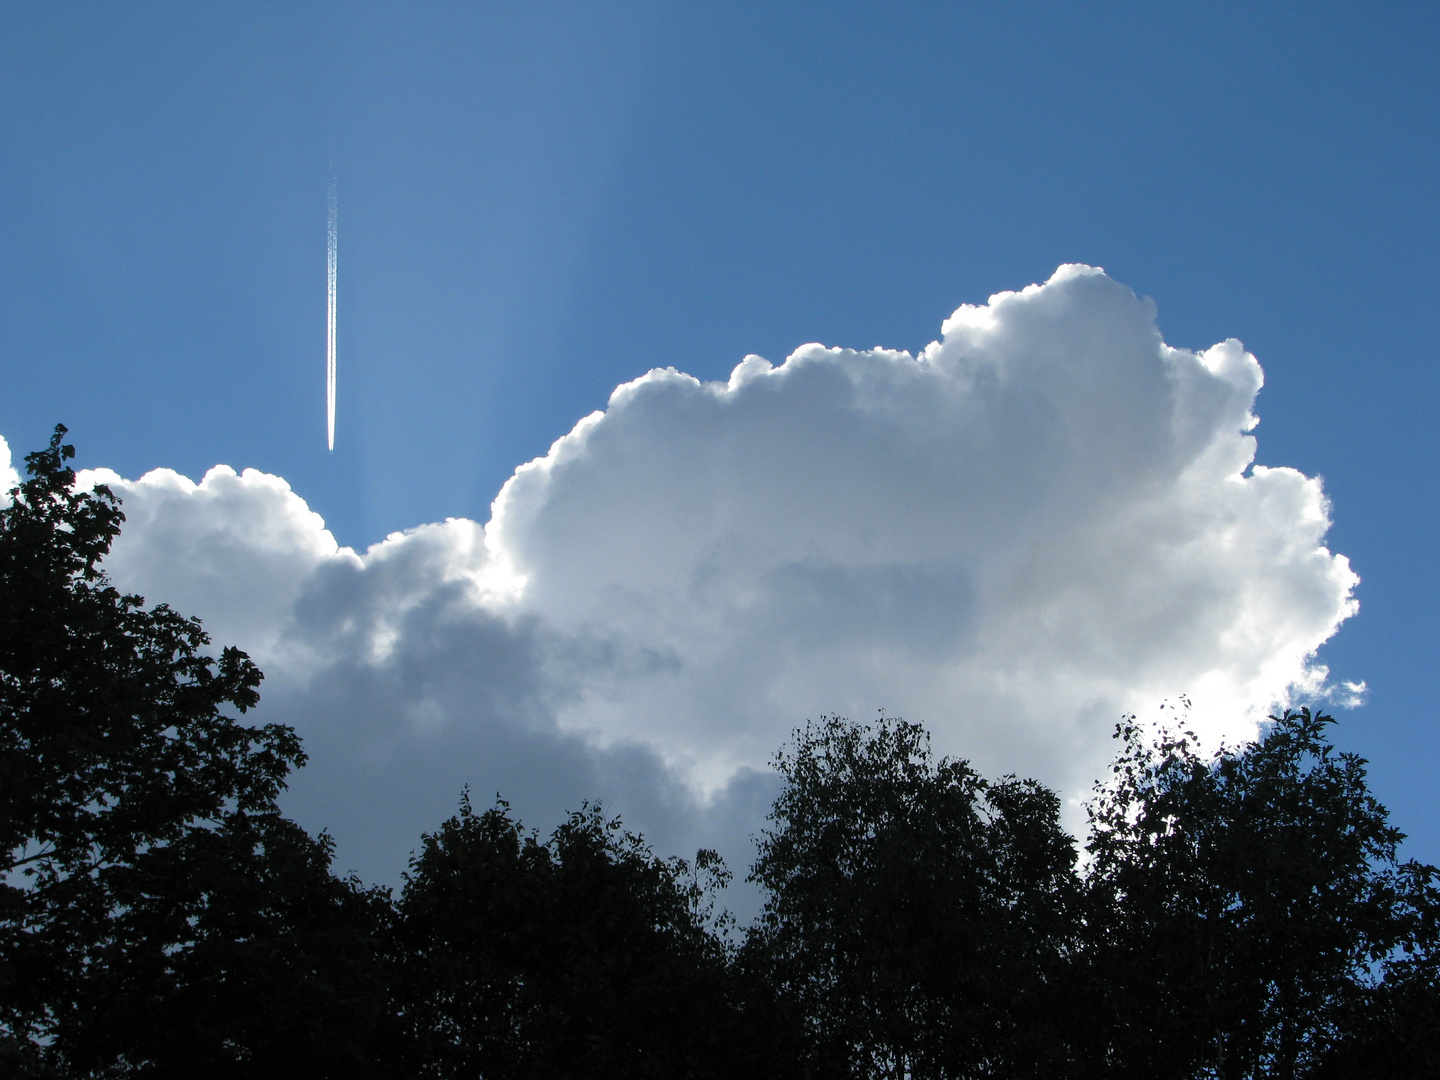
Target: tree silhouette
[
  {"x": 157, "y": 913},
  {"x": 919, "y": 916},
  {"x": 581, "y": 956},
  {"x": 1248, "y": 909}
]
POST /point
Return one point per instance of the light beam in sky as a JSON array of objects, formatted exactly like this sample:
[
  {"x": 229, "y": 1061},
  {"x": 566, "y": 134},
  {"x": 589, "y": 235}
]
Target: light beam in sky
[{"x": 330, "y": 254}]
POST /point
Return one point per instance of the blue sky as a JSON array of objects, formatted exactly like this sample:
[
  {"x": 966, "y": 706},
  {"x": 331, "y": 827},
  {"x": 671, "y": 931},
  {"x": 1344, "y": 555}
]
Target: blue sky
[{"x": 541, "y": 202}]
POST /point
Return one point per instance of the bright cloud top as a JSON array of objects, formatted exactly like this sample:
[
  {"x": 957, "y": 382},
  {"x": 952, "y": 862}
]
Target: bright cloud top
[
  {"x": 1046, "y": 518},
  {"x": 8, "y": 477}
]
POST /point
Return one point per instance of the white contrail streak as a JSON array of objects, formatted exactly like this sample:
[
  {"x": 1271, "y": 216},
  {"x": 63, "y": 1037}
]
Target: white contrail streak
[{"x": 331, "y": 248}]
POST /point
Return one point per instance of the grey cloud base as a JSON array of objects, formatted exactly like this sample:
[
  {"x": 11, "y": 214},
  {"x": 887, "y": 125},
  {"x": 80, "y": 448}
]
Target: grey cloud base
[{"x": 1045, "y": 519}]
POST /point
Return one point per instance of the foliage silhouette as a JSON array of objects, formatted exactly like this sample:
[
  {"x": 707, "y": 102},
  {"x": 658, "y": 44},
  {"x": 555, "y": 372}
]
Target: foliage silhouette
[
  {"x": 581, "y": 956},
  {"x": 919, "y": 917},
  {"x": 158, "y": 916},
  {"x": 1249, "y": 915}
]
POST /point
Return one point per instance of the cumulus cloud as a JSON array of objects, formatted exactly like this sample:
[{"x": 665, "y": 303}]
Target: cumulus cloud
[
  {"x": 1046, "y": 518},
  {"x": 8, "y": 477}
]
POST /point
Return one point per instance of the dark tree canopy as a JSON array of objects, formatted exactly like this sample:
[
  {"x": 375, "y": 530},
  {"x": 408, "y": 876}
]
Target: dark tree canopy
[
  {"x": 918, "y": 915},
  {"x": 151, "y": 890},
  {"x": 581, "y": 956},
  {"x": 1243, "y": 914},
  {"x": 1249, "y": 913}
]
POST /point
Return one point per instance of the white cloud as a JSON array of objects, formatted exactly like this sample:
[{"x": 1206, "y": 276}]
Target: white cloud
[
  {"x": 1045, "y": 519},
  {"x": 9, "y": 478}
]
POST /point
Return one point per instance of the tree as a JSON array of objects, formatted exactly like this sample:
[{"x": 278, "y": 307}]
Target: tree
[
  {"x": 919, "y": 918},
  {"x": 1391, "y": 1031},
  {"x": 581, "y": 956},
  {"x": 1248, "y": 911},
  {"x": 158, "y": 915}
]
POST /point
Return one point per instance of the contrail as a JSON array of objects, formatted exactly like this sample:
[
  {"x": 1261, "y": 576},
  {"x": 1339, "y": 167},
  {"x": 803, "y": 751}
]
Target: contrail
[{"x": 330, "y": 255}]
